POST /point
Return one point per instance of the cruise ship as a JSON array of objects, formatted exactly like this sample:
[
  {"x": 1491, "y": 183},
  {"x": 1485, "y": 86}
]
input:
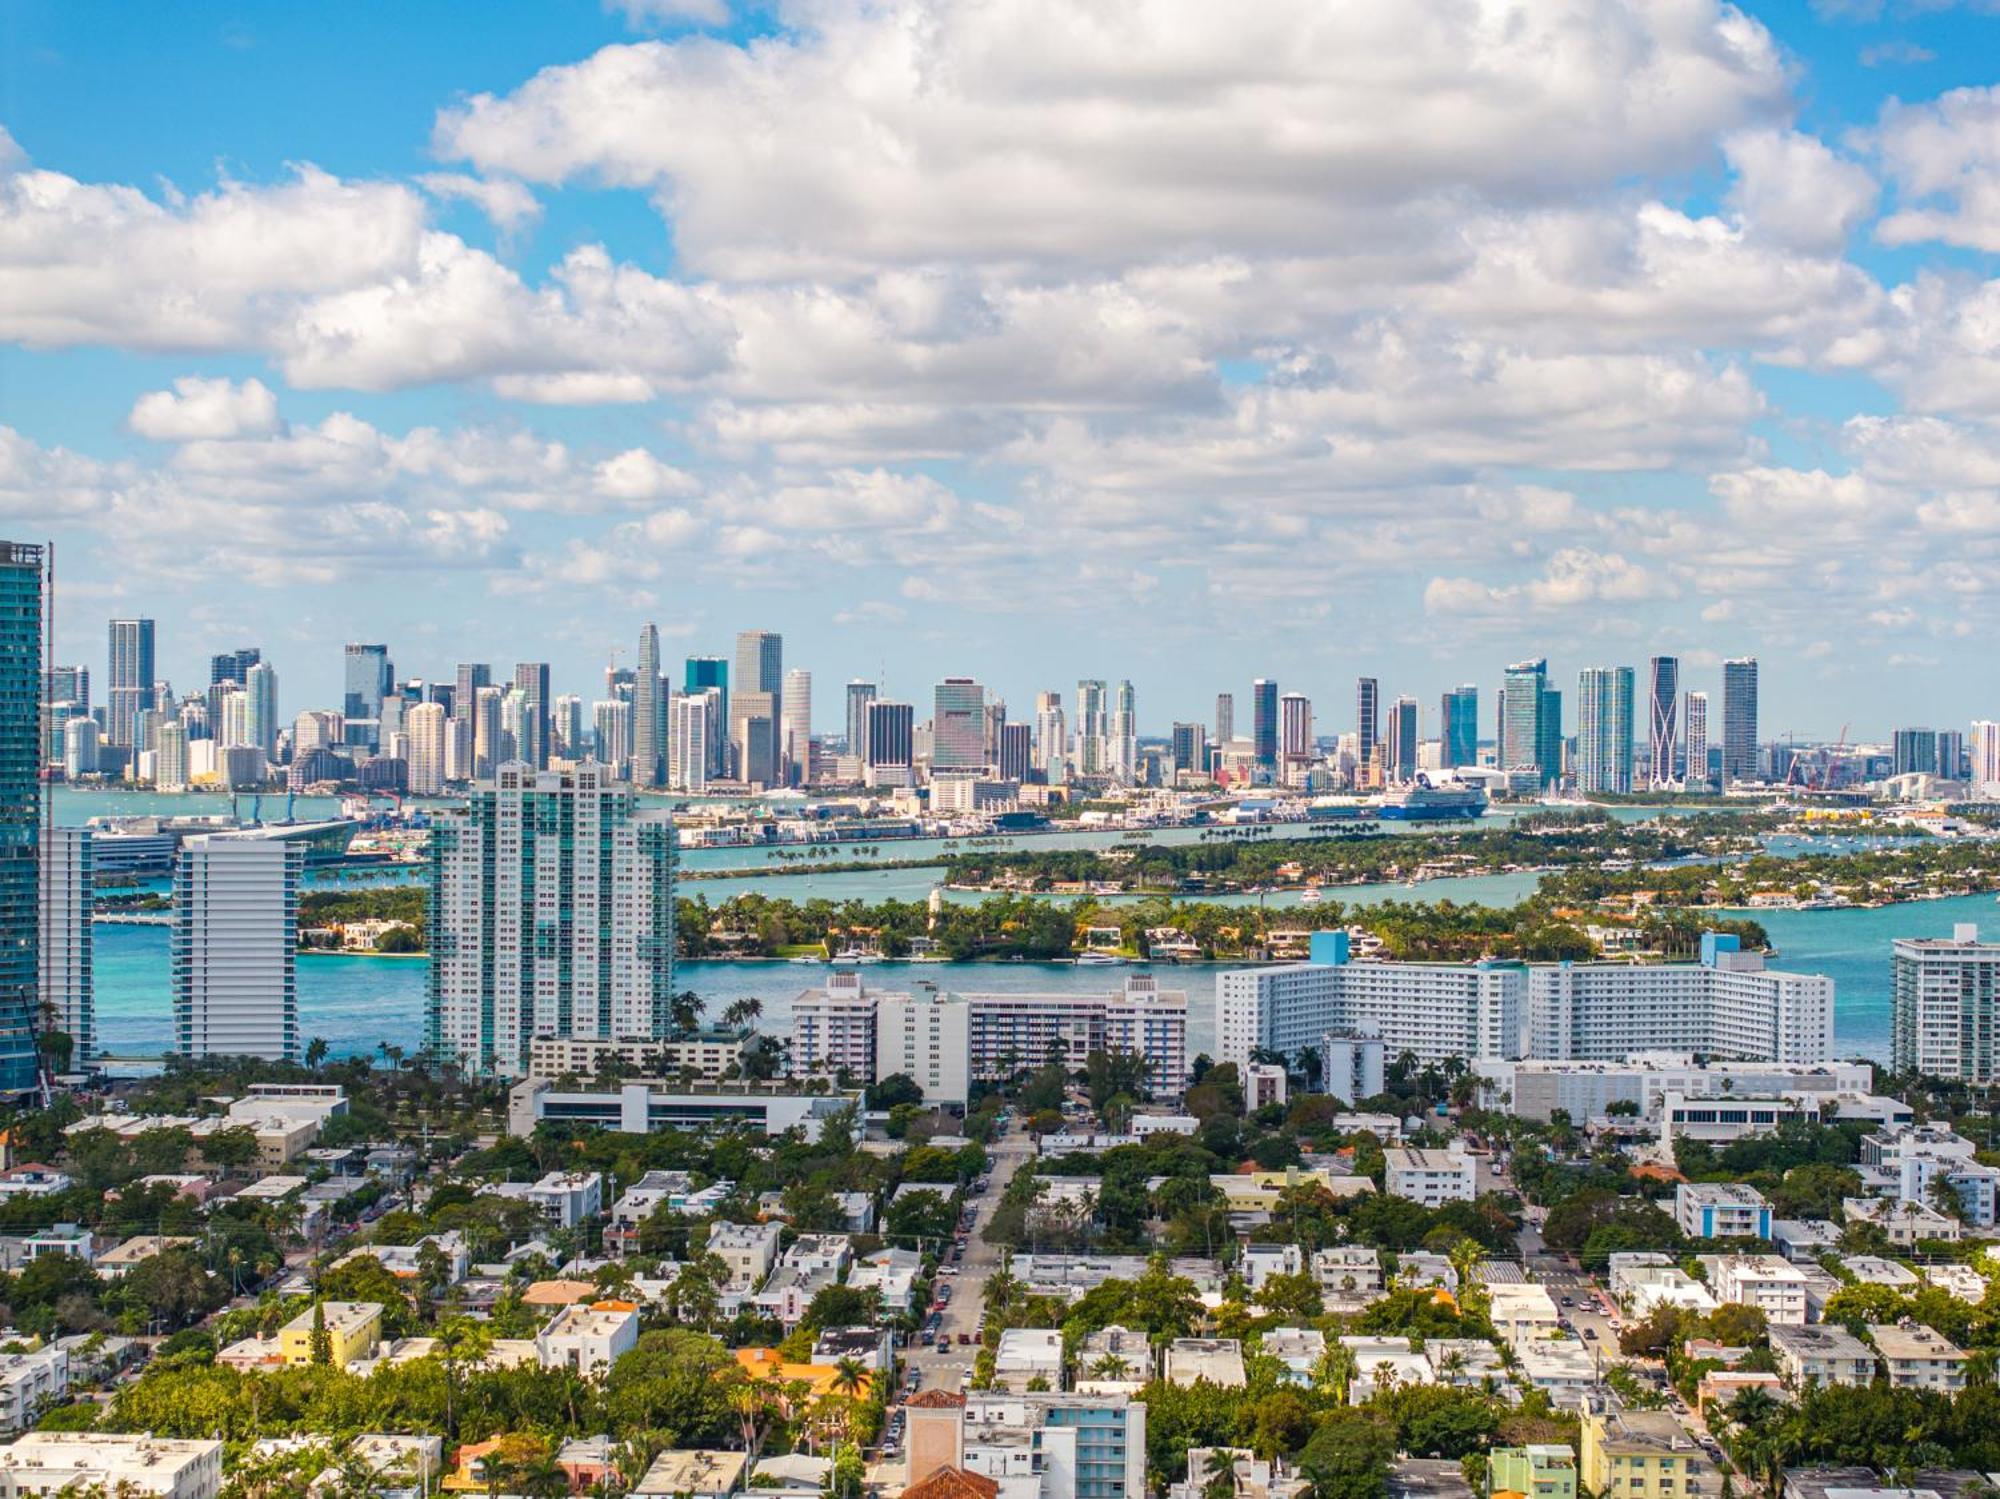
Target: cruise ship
[{"x": 1424, "y": 802}]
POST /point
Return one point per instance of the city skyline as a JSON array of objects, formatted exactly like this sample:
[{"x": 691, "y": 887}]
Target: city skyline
[{"x": 533, "y": 351}]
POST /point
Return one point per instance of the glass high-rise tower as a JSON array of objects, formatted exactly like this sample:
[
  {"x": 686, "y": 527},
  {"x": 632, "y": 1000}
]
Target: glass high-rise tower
[
  {"x": 21, "y": 585},
  {"x": 131, "y": 685},
  {"x": 1663, "y": 720},
  {"x": 1458, "y": 728},
  {"x": 1264, "y": 725},
  {"x": 1739, "y": 720}
]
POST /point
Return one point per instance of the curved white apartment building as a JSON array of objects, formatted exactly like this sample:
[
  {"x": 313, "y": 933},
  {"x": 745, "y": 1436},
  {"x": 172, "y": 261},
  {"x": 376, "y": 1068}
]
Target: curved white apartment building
[{"x": 1727, "y": 1005}]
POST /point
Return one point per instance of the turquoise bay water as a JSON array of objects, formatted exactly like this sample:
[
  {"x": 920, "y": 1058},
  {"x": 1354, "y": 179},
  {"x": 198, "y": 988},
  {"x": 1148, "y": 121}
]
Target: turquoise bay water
[{"x": 355, "y": 1003}]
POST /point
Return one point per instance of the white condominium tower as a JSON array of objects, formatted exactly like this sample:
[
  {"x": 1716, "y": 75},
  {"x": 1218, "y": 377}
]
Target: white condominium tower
[
  {"x": 1435, "y": 1010},
  {"x": 551, "y": 914},
  {"x": 1727, "y": 1005},
  {"x": 1945, "y": 1006},
  {"x": 1694, "y": 716},
  {"x": 424, "y": 729},
  {"x": 694, "y": 731},
  {"x": 1122, "y": 742},
  {"x": 1051, "y": 736},
  {"x": 798, "y": 726},
  {"x": 68, "y": 894},
  {"x": 1093, "y": 723},
  {"x": 235, "y": 947}
]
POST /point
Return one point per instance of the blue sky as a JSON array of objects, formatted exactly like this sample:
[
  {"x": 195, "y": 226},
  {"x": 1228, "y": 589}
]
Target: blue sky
[{"x": 1018, "y": 342}]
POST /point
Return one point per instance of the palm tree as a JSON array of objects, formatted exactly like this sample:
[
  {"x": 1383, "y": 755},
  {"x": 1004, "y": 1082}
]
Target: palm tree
[
  {"x": 850, "y": 1376},
  {"x": 1221, "y": 1470},
  {"x": 1111, "y": 1367},
  {"x": 1337, "y": 1368}
]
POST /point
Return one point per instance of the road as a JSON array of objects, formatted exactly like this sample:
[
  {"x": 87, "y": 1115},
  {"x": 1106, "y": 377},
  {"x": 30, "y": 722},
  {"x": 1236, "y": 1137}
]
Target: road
[
  {"x": 1592, "y": 1309},
  {"x": 943, "y": 1371}
]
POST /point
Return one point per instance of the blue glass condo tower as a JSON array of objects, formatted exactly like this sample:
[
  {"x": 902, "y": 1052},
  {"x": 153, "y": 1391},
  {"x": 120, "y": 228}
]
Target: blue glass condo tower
[{"x": 20, "y": 809}]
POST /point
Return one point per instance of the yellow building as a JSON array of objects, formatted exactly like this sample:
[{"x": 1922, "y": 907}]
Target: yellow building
[
  {"x": 1259, "y": 1191},
  {"x": 1639, "y": 1455},
  {"x": 353, "y": 1329},
  {"x": 822, "y": 1379}
]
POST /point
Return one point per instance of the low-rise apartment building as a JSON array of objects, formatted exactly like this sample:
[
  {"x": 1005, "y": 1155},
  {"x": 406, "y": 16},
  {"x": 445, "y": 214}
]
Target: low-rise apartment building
[{"x": 1431, "y": 1177}]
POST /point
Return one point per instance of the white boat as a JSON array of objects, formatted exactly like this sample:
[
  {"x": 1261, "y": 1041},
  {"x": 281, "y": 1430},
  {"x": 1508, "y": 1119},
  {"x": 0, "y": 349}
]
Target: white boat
[
  {"x": 809, "y": 962},
  {"x": 856, "y": 955},
  {"x": 1099, "y": 959},
  {"x": 1309, "y": 896}
]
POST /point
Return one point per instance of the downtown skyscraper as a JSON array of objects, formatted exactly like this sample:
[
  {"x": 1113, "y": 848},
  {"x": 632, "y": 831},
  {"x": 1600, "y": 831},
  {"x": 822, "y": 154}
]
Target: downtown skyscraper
[
  {"x": 1367, "y": 723},
  {"x": 1401, "y": 758},
  {"x": 859, "y": 695},
  {"x": 1739, "y": 720},
  {"x": 1458, "y": 728},
  {"x": 757, "y": 708},
  {"x": 1531, "y": 722},
  {"x": 1663, "y": 702},
  {"x": 1264, "y": 727},
  {"x": 1604, "y": 728},
  {"x": 1093, "y": 724},
  {"x": 1694, "y": 730},
  {"x": 551, "y": 914},
  {"x": 958, "y": 727},
  {"x": 370, "y": 678},
  {"x": 649, "y": 713},
  {"x": 129, "y": 690}
]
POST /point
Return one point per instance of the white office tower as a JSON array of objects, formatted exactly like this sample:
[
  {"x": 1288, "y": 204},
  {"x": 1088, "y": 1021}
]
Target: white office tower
[
  {"x": 552, "y": 900},
  {"x": 691, "y": 732},
  {"x": 1945, "y": 1006},
  {"x": 170, "y": 762},
  {"x": 798, "y": 713},
  {"x": 235, "y": 940},
  {"x": 1694, "y": 721},
  {"x": 612, "y": 723},
  {"x": 260, "y": 686},
  {"x": 1051, "y": 736},
  {"x": 424, "y": 730},
  {"x": 66, "y": 901},
  {"x": 1728, "y": 1005}
]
